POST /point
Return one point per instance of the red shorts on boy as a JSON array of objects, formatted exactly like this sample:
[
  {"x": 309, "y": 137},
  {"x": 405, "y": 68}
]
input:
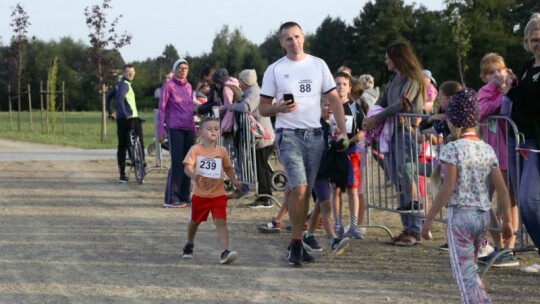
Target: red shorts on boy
[
  {"x": 353, "y": 178},
  {"x": 202, "y": 206}
]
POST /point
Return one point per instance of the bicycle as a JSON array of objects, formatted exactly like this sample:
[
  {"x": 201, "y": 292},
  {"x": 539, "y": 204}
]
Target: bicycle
[{"x": 136, "y": 153}]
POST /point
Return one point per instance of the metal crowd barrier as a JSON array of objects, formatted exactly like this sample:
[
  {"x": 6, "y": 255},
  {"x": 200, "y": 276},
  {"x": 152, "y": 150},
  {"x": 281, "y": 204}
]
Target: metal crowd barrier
[
  {"x": 241, "y": 147},
  {"x": 488, "y": 131},
  {"x": 157, "y": 146},
  {"x": 384, "y": 182}
]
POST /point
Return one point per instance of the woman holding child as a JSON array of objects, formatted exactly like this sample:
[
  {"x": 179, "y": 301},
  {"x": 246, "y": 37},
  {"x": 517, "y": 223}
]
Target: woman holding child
[{"x": 405, "y": 92}]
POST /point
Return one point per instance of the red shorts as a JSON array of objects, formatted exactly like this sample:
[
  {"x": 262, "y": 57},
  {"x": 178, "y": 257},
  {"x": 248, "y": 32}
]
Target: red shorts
[
  {"x": 202, "y": 206},
  {"x": 353, "y": 178}
]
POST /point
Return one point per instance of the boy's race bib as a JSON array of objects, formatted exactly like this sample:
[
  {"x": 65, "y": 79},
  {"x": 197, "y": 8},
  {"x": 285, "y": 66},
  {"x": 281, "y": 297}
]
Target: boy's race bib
[
  {"x": 349, "y": 123},
  {"x": 208, "y": 167}
]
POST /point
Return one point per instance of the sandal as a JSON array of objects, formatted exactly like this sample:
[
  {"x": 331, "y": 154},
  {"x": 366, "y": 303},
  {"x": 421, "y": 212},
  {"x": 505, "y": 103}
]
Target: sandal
[
  {"x": 409, "y": 240},
  {"x": 395, "y": 239}
]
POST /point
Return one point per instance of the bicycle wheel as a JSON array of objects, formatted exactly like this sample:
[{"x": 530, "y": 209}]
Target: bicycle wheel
[
  {"x": 138, "y": 162},
  {"x": 279, "y": 180},
  {"x": 151, "y": 149}
]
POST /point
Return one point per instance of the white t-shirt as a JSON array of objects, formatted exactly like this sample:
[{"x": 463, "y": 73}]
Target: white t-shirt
[{"x": 307, "y": 80}]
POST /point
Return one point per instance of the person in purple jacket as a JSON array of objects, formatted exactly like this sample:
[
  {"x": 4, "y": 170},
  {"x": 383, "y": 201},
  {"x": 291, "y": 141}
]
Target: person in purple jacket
[{"x": 176, "y": 111}]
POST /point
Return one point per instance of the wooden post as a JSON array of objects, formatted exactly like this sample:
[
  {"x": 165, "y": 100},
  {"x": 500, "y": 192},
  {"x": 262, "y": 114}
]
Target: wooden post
[
  {"x": 47, "y": 98},
  {"x": 63, "y": 107},
  {"x": 30, "y": 109},
  {"x": 103, "y": 111},
  {"x": 10, "y": 109},
  {"x": 41, "y": 106}
]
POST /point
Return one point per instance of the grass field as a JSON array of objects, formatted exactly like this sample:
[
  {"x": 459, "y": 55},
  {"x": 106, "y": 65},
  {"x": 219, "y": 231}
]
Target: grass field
[{"x": 82, "y": 129}]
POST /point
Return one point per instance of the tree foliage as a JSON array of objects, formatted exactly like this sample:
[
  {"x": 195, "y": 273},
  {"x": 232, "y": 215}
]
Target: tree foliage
[{"x": 443, "y": 46}]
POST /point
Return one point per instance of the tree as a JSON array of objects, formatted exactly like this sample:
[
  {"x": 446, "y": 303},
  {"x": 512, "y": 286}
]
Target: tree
[
  {"x": 325, "y": 45},
  {"x": 20, "y": 25},
  {"x": 378, "y": 25},
  {"x": 104, "y": 36}
]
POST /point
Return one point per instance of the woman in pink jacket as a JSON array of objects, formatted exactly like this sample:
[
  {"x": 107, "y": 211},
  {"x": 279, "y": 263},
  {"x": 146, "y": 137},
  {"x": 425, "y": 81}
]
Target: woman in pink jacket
[{"x": 176, "y": 111}]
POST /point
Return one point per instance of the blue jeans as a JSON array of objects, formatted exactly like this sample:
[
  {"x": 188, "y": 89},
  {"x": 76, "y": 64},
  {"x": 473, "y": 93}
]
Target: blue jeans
[
  {"x": 403, "y": 150},
  {"x": 300, "y": 152},
  {"x": 529, "y": 191}
]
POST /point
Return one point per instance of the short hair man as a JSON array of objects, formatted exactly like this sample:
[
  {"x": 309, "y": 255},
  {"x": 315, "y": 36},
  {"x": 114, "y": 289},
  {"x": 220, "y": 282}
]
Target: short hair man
[
  {"x": 298, "y": 130},
  {"x": 126, "y": 109}
]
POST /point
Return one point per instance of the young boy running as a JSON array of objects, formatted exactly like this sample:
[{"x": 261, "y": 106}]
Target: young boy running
[{"x": 205, "y": 164}]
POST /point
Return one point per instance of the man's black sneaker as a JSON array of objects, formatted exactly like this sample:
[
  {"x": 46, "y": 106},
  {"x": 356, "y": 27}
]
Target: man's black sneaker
[
  {"x": 306, "y": 257},
  {"x": 444, "y": 247},
  {"x": 310, "y": 244},
  {"x": 410, "y": 208},
  {"x": 339, "y": 245},
  {"x": 295, "y": 254},
  {"x": 188, "y": 251},
  {"x": 123, "y": 179}
]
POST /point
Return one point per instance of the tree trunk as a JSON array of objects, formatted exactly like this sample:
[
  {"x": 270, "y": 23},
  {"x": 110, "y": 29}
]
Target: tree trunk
[
  {"x": 19, "y": 93},
  {"x": 10, "y": 109},
  {"x": 41, "y": 106},
  {"x": 30, "y": 109},
  {"x": 103, "y": 113},
  {"x": 63, "y": 107}
]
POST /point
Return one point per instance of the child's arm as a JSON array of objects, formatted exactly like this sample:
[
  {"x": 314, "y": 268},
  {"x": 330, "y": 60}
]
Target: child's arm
[
  {"x": 503, "y": 200},
  {"x": 489, "y": 100},
  {"x": 188, "y": 170},
  {"x": 232, "y": 177},
  {"x": 449, "y": 183}
]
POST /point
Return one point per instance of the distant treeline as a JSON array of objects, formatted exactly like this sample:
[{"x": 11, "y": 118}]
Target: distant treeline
[{"x": 447, "y": 42}]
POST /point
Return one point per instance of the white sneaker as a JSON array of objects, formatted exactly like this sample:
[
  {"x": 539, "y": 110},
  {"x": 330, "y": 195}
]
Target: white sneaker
[
  {"x": 534, "y": 268},
  {"x": 485, "y": 249}
]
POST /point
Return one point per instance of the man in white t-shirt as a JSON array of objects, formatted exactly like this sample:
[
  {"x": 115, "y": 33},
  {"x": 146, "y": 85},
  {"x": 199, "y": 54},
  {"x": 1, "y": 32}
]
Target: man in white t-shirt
[{"x": 299, "y": 136}]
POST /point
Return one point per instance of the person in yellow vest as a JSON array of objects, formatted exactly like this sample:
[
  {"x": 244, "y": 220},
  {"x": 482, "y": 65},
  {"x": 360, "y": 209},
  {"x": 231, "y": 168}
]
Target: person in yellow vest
[{"x": 126, "y": 110}]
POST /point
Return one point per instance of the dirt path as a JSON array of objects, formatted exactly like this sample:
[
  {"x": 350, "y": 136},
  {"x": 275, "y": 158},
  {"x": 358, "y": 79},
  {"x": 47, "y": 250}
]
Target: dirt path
[{"x": 71, "y": 234}]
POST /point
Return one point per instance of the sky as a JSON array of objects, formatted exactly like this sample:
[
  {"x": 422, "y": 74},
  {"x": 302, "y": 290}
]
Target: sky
[{"x": 190, "y": 26}]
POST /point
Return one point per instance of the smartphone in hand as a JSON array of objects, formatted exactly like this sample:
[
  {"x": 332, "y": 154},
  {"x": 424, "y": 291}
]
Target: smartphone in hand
[{"x": 288, "y": 97}]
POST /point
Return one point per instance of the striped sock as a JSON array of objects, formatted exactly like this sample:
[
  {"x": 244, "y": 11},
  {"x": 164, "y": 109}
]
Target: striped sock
[
  {"x": 338, "y": 221},
  {"x": 354, "y": 221}
]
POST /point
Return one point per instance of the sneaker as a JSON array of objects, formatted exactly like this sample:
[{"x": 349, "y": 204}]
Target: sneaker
[
  {"x": 485, "y": 249},
  {"x": 310, "y": 244},
  {"x": 123, "y": 179},
  {"x": 228, "y": 257},
  {"x": 410, "y": 208},
  {"x": 340, "y": 231},
  {"x": 486, "y": 258},
  {"x": 175, "y": 205},
  {"x": 506, "y": 260},
  {"x": 353, "y": 233},
  {"x": 306, "y": 257},
  {"x": 339, "y": 245},
  {"x": 295, "y": 254},
  {"x": 270, "y": 227},
  {"x": 188, "y": 251},
  {"x": 534, "y": 268},
  {"x": 444, "y": 247},
  {"x": 259, "y": 204}
]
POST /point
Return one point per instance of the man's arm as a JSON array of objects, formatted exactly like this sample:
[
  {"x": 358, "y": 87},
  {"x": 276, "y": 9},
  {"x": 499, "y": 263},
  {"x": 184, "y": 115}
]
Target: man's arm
[
  {"x": 267, "y": 109},
  {"x": 110, "y": 96},
  {"x": 337, "y": 111},
  {"x": 121, "y": 91}
]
